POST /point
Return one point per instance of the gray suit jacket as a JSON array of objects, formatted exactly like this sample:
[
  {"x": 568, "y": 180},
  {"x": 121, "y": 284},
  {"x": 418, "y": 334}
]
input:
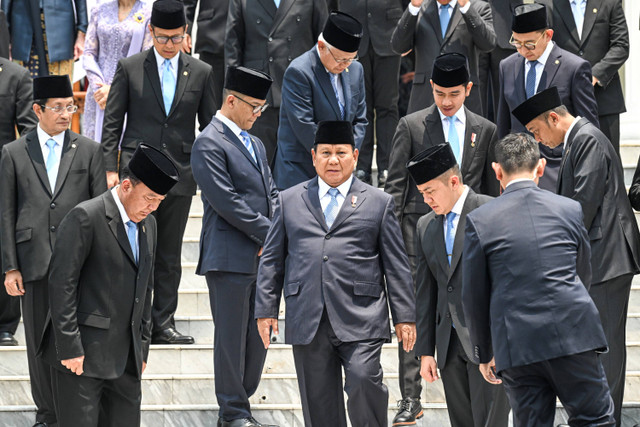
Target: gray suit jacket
[
  {"x": 16, "y": 98},
  {"x": 342, "y": 269},
  {"x": 238, "y": 197}
]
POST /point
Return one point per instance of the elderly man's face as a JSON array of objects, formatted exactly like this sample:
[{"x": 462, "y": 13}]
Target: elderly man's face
[
  {"x": 334, "y": 163},
  {"x": 138, "y": 200},
  {"x": 54, "y": 117},
  {"x": 335, "y": 60}
]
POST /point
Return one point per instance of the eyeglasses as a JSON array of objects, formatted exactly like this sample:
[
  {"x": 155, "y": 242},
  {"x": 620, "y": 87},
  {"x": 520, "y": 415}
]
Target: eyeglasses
[
  {"x": 165, "y": 39},
  {"x": 342, "y": 61},
  {"x": 59, "y": 109},
  {"x": 527, "y": 45},
  {"x": 256, "y": 108}
]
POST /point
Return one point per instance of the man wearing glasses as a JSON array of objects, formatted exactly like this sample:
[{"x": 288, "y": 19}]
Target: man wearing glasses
[
  {"x": 322, "y": 84},
  {"x": 538, "y": 65},
  {"x": 158, "y": 94},
  {"x": 43, "y": 175}
]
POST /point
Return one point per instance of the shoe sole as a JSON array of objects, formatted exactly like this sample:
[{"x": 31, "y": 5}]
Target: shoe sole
[{"x": 410, "y": 423}]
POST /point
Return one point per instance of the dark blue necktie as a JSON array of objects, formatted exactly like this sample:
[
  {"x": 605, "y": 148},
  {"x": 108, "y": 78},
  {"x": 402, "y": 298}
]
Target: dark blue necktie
[{"x": 530, "y": 85}]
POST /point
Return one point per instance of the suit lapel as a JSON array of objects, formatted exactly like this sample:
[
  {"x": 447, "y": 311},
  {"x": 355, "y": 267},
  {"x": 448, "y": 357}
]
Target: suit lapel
[
  {"x": 433, "y": 134},
  {"x": 550, "y": 69},
  {"x": 458, "y": 241},
  {"x": 436, "y": 235},
  {"x": 351, "y": 203},
  {"x": 518, "y": 78},
  {"x": 346, "y": 91},
  {"x": 35, "y": 154},
  {"x": 431, "y": 12},
  {"x": 323, "y": 79},
  {"x": 281, "y": 13},
  {"x": 234, "y": 140},
  {"x": 312, "y": 201},
  {"x": 453, "y": 22},
  {"x": 68, "y": 154},
  {"x": 151, "y": 69},
  {"x": 590, "y": 14},
  {"x": 184, "y": 72},
  {"x": 564, "y": 9},
  {"x": 567, "y": 151},
  {"x": 143, "y": 247},
  {"x": 269, "y": 6},
  {"x": 116, "y": 225},
  {"x": 472, "y": 132}
]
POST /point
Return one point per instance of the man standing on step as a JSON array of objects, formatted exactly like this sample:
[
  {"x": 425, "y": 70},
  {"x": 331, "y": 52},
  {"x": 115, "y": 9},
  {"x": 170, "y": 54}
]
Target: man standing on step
[
  {"x": 158, "y": 94},
  {"x": 238, "y": 194},
  {"x": 97, "y": 337},
  {"x": 591, "y": 174},
  {"x": 43, "y": 175}
]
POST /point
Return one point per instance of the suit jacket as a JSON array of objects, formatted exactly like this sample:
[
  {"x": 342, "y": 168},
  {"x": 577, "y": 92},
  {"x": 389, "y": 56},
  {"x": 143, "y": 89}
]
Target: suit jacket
[
  {"x": 212, "y": 19},
  {"x": 423, "y": 129},
  {"x": 308, "y": 98},
  {"x": 63, "y": 20},
  {"x": 439, "y": 285},
  {"x": 467, "y": 34},
  {"x": 136, "y": 92},
  {"x": 4, "y": 36},
  {"x": 267, "y": 38},
  {"x": 604, "y": 42},
  {"x": 30, "y": 211},
  {"x": 238, "y": 197},
  {"x": 342, "y": 270},
  {"x": 525, "y": 279},
  {"x": 591, "y": 174},
  {"x": 16, "y": 98},
  {"x": 100, "y": 299}
]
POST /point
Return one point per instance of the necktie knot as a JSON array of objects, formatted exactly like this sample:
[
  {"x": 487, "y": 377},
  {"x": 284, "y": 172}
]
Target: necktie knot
[
  {"x": 51, "y": 143},
  {"x": 333, "y": 192},
  {"x": 450, "y": 217}
]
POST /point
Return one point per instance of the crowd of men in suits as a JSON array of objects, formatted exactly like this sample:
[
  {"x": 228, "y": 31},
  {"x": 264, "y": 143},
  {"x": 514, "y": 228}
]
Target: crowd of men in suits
[{"x": 91, "y": 232}]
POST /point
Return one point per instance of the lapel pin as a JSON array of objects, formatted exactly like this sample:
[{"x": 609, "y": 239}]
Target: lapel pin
[
  {"x": 354, "y": 199},
  {"x": 143, "y": 229},
  {"x": 595, "y": 10},
  {"x": 186, "y": 73},
  {"x": 73, "y": 145},
  {"x": 346, "y": 69},
  {"x": 0, "y": 68},
  {"x": 473, "y": 139},
  {"x": 557, "y": 61}
]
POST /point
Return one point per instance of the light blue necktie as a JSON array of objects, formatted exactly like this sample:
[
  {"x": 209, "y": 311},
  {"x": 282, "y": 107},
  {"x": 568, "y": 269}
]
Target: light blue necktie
[
  {"x": 453, "y": 139},
  {"x": 450, "y": 236},
  {"x": 246, "y": 140},
  {"x": 530, "y": 85},
  {"x": 445, "y": 17},
  {"x": 334, "y": 84},
  {"x": 331, "y": 210},
  {"x": 52, "y": 161},
  {"x": 577, "y": 8},
  {"x": 131, "y": 234},
  {"x": 168, "y": 86},
  {"x": 277, "y": 2}
]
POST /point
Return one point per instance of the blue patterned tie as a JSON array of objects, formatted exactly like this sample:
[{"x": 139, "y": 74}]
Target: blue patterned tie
[
  {"x": 453, "y": 139},
  {"x": 52, "y": 161},
  {"x": 131, "y": 234},
  {"x": 331, "y": 210},
  {"x": 246, "y": 140},
  {"x": 168, "y": 86},
  {"x": 530, "y": 86},
  {"x": 450, "y": 235},
  {"x": 334, "y": 84},
  {"x": 445, "y": 17}
]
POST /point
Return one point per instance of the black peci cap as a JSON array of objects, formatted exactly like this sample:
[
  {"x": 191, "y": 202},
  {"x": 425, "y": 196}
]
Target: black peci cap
[
  {"x": 248, "y": 81},
  {"x": 450, "y": 69},
  {"x": 343, "y": 31},
  {"x": 155, "y": 169},
  {"x": 431, "y": 163},
  {"x": 168, "y": 14},
  {"x": 334, "y": 132},
  {"x": 538, "y": 104},
  {"x": 529, "y": 17},
  {"x": 52, "y": 87}
]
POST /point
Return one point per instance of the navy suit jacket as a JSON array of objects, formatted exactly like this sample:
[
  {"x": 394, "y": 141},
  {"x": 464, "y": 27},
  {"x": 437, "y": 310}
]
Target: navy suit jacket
[
  {"x": 342, "y": 270},
  {"x": 525, "y": 279},
  {"x": 308, "y": 98},
  {"x": 238, "y": 197}
]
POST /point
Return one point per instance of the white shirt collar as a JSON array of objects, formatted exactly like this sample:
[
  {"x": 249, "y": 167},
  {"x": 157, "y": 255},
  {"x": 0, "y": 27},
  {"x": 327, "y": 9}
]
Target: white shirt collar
[
  {"x": 457, "y": 208},
  {"x": 230, "y": 124},
  {"x": 566, "y": 135},
  {"x": 519, "y": 180},
  {"x": 121, "y": 209},
  {"x": 323, "y": 187},
  {"x": 160, "y": 62},
  {"x": 43, "y": 137},
  {"x": 460, "y": 115}
]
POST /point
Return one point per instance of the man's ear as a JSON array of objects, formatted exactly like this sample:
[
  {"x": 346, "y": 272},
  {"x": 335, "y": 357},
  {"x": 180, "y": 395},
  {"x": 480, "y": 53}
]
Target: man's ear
[{"x": 498, "y": 170}]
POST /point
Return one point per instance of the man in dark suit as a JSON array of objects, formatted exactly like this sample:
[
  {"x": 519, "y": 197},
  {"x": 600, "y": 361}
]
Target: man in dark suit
[
  {"x": 421, "y": 130},
  {"x": 591, "y": 174},
  {"x": 97, "y": 336},
  {"x": 321, "y": 84},
  {"x": 381, "y": 68},
  {"x": 538, "y": 65},
  {"x": 232, "y": 171},
  {"x": 440, "y": 322},
  {"x": 43, "y": 175},
  {"x": 524, "y": 296},
  {"x": 334, "y": 244},
  {"x": 596, "y": 30},
  {"x": 210, "y": 39},
  {"x": 268, "y": 37},
  {"x": 160, "y": 92},
  {"x": 434, "y": 27}
]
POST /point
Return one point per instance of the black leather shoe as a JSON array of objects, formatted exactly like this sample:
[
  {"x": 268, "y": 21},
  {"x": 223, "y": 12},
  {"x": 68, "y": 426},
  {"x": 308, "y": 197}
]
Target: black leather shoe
[
  {"x": 241, "y": 422},
  {"x": 382, "y": 178},
  {"x": 40, "y": 425},
  {"x": 260, "y": 424},
  {"x": 363, "y": 176},
  {"x": 6, "y": 338},
  {"x": 409, "y": 410},
  {"x": 171, "y": 336}
]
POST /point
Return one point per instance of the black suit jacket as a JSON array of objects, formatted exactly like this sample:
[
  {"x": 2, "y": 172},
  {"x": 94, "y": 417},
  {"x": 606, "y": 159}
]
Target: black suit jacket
[
  {"x": 439, "y": 285},
  {"x": 136, "y": 92},
  {"x": 212, "y": 19},
  {"x": 604, "y": 42},
  {"x": 30, "y": 211},
  {"x": 267, "y": 38},
  {"x": 591, "y": 174},
  {"x": 423, "y": 129},
  {"x": 4, "y": 36},
  {"x": 16, "y": 98},
  {"x": 100, "y": 299}
]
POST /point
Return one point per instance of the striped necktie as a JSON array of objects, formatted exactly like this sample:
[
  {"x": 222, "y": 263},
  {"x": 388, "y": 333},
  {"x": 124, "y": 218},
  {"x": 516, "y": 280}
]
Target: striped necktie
[
  {"x": 331, "y": 210},
  {"x": 246, "y": 140},
  {"x": 334, "y": 84}
]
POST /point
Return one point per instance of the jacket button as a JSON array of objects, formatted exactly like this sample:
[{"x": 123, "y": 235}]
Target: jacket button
[
  {"x": 270, "y": 39},
  {"x": 164, "y": 145},
  {"x": 137, "y": 300},
  {"x": 448, "y": 315},
  {"x": 258, "y": 21},
  {"x": 271, "y": 59},
  {"x": 369, "y": 15},
  {"x": 52, "y": 228},
  {"x": 581, "y": 53},
  {"x": 325, "y": 258},
  {"x": 166, "y": 125},
  {"x": 289, "y": 38},
  {"x": 133, "y": 322},
  {"x": 328, "y": 236},
  {"x": 450, "y": 288},
  {"x": 53, "y": 205}
]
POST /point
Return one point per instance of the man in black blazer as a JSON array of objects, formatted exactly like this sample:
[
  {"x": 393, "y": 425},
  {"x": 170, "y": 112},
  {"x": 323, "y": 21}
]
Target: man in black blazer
[
  {"x": 98, "y": 333},
  {"x": 440, "y": 322},
  {"x": 552, "y": 66},
  {"x": 604, "y": 42},
  {"x": 335, "y": 250},
  {"x": 267, "y": 37},
  {"x": 525, "y": 297},
  {"x": 415, "y": 133},
  {"x": 43, "y": 175},
  {"x": 160, "y": 92},
  {"x": 238, "y": 194},
  {"x": 466, "y": 27},
  {"x": 591, "y": 174}
]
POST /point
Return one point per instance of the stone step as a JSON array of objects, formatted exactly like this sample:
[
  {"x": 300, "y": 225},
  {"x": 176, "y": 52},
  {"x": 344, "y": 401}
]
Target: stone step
[{"x": 629, "y": 152}]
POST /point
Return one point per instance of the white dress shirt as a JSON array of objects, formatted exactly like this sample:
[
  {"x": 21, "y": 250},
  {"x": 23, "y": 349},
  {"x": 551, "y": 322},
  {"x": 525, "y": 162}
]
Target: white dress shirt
[
  {"x": 43, "y": 137},
  {"x": 325, "y": 197},
  {"x": 539, "y": 66}
]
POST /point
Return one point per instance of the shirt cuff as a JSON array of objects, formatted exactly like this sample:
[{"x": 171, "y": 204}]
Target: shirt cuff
[
  {"x": 413, "y": 9},
  {"x": 466, "y": 7}
]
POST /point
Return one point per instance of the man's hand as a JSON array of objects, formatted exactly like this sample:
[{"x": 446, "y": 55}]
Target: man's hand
[
  {"x": 594, "y": 80},
  {"x": 144, "y": 366},
  {"x": 101, "y": 95},
  {"x": 260, "y": 251},
  {"x": 488, "y": 371},
  {"x": 78, "y": 47},
  {"x": 265, "y": 324},
  {"x": 429, "y": 369},
  {"x": 74, "y": 365},
  {"x": 416, "y": 3},
  {"x": 186, "y": 44},
  {"x": 406, "y": 333},
  {"x": 13, "y": 283},
  {"x": 462, "y": 3},
  {"x": 112, "y": 179}
]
